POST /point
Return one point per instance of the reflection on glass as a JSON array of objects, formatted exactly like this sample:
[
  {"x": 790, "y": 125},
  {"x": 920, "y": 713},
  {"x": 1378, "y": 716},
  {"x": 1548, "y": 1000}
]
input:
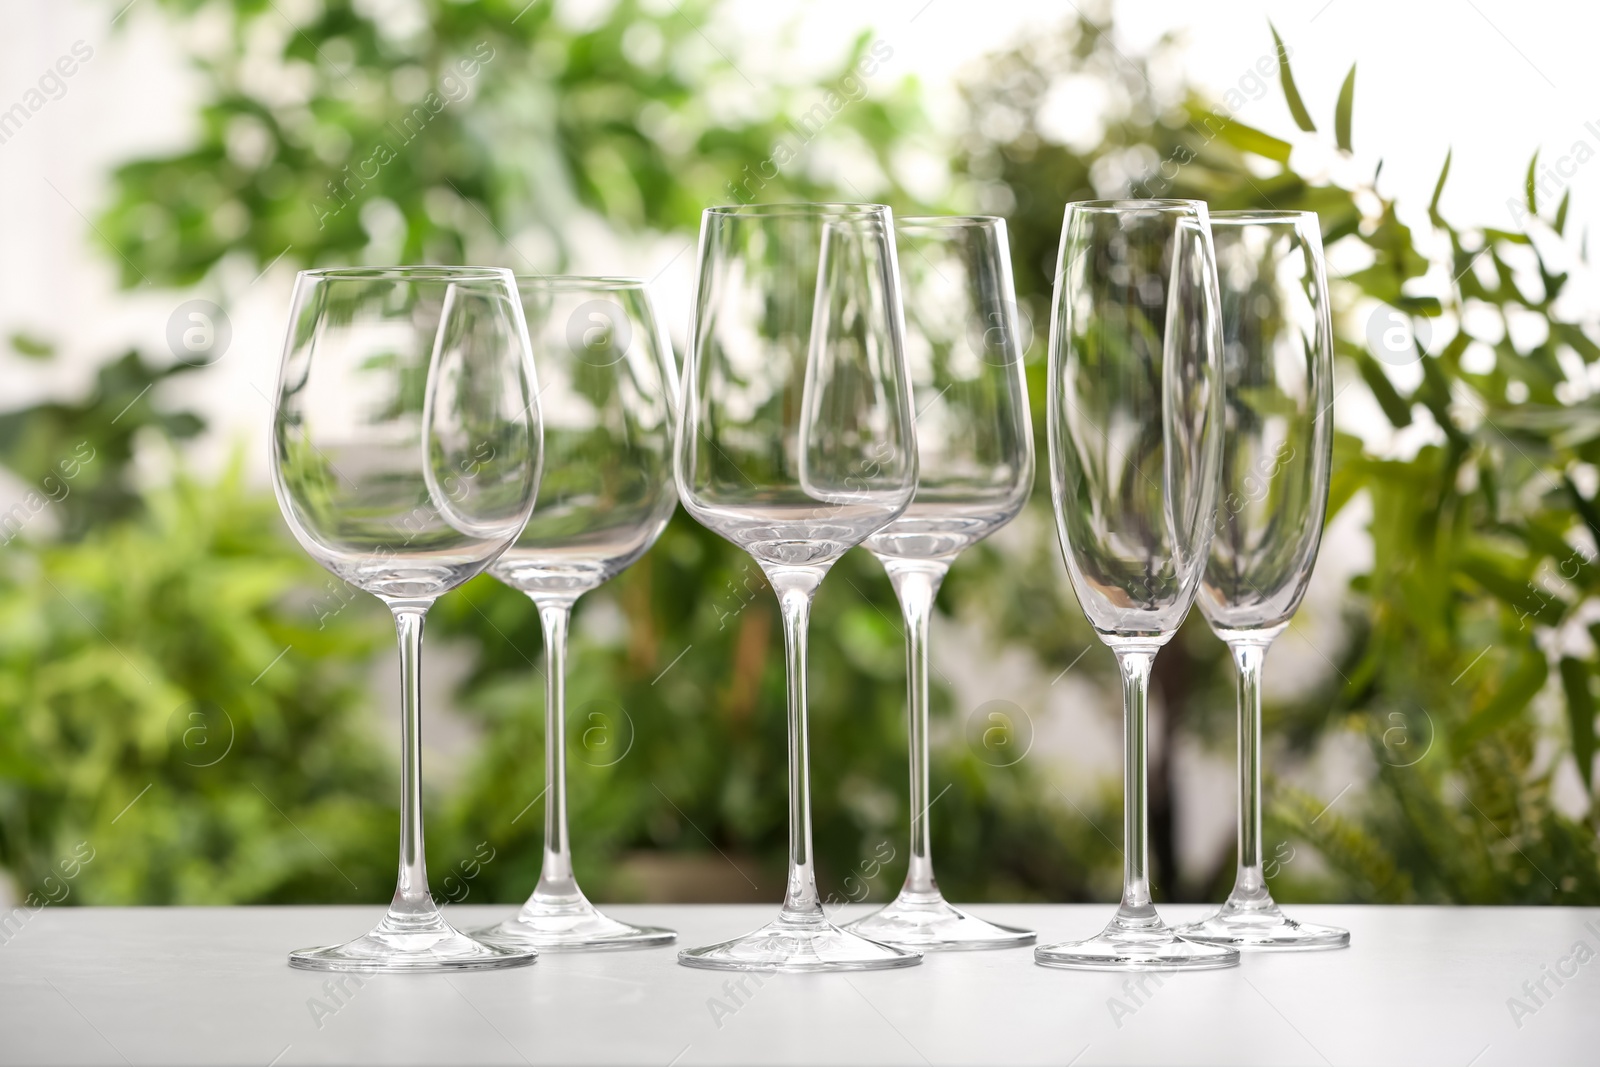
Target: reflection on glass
[
  {"x": 607, "y": 381},
  {"x": 1135, "y": 402},
  {"x": 1277, "y": 454},
  {"x": 796, "y": 445},
  {"x": 405, "y": 456}
]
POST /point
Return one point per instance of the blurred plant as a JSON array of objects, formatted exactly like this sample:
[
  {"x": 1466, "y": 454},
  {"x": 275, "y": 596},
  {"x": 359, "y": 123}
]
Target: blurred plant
[
  {"x": 154, "y": 702},
  {"x": 531, "y": 121},
  {"x": 1469, "y": 660},
  {"x": 440, "y": 131},
  {"x": 311, "y": 148},
  {"x": 76, "y": 455}
]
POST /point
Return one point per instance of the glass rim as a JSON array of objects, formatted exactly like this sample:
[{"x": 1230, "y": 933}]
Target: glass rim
[
  {"x": 577, "y": 283},
  {"x": 421, "y": 273},
  {"x": 1199, "y": 207},
  {"x": 1263, "y": 216},
  {"x": 843, "y": 209},
  {"x": 949, "y": 222}
]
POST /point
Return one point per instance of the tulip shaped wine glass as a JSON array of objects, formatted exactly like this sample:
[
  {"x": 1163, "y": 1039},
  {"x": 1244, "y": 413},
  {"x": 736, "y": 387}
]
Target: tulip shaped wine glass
[
  {"x": 1135, "y": 411},
  {"x": 1277, "y": 454},
  {"x": 607, "y": 400},
  {"x": 796, "y": 444},
  {"x": 974, "y": 470},
  {"x": 405, "y": 456}
]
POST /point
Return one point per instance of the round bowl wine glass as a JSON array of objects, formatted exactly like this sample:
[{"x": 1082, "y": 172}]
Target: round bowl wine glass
[
  {"x": 607, "y": 397},
  {"x": 1277, "y": 455},
  {"x": 1135, "y": 403},
  {"x": 974, "y": 471},
  {"x": 405, "y": 456},
  {"x": 796, "y": 444}
]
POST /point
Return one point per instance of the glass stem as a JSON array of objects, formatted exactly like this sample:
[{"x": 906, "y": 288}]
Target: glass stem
[
  {"x": 556, "y": 884},
  {"x": 916, "y": 583},
  {"x": 1250, "y": 886},
  {"x": 795, "y": 587},
  {"x": 412, "y": 903},
  {"x": 1137, "y": 907}
]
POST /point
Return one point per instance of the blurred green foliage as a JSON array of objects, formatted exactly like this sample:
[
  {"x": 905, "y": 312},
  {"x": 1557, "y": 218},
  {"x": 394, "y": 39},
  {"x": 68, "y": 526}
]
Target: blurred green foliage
[
  {"x": 1484, "y": 539},
  {"x": 143, "y": 625}
]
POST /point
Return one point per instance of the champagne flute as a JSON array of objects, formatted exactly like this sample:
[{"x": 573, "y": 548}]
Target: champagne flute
[
  {"x": 608, "y": 400},
  {"x": 796, "y": 444},
  {"x": 1135, "y": 410},
  {"x": 974, "y": 471},
  {"x": 406, "y": 458},
  {"x": 1277, "y": 456}
]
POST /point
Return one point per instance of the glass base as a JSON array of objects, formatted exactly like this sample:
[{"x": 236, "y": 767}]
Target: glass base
[
  {"x": 411, "y": 943},
  {"x": 933, "y": 924},
  {"x": 798, "y": 947},
  {"x": 1136, "y": 944},
  {"x": 1262, "y": 927},
  {"x": 570, "y": 927}
]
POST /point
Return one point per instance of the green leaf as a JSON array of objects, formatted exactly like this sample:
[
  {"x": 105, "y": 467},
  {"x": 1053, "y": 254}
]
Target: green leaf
[
  {"x": 1438, "y": 189},
  {"x": 1580, "y": 716},
  {"x": 1395, "y": 408},
  {"x": 30, "y": 347},
  {"x": 1514, "y": 693},
  {"x": 1514, "y": 590},
  {"x": 1561, "y": 212},
  {"x": 1297, "y": 107},
  {"x": 1426, "y": 306},
  {"x": 1493, "y": 235},
  {"x": 1583, "y": 506},
  {"x": 1533, "y": 200},
  {"x": 1249, "y": 139},
  {"x": 1573, "y": 335},
  {"x": 1341, "y": 112}
]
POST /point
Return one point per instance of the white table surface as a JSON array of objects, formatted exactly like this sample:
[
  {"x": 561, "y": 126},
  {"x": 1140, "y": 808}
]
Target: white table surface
[{"x": 1419, "y": 986}]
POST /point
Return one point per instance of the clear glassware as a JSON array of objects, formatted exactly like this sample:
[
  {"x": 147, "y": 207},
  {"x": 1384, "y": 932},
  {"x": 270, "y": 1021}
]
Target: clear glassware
[
  {"x": 796, "y": 443},
  {"x": 406, "y": 458},
  {"x": 1135, "y": 414},
  {"x": 974, "y": 472},
  {"x": 1277, "y": 455},
  {"x": 608, "y": 401}
]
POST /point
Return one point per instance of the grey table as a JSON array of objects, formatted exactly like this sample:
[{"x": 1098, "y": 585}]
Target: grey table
[{"x": 1420, "y": 986}]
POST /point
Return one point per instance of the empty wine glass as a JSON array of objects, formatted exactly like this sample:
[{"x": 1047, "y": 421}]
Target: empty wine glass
[
  {"x": 1277, "y": 454},
  {"x": 405, "y": 456},
  {"x": 796, "y": 444},
  {"x": 974, "y": 470},
  {"x": 607, "y": 385},
  {"x": 1135, "y": 403}
]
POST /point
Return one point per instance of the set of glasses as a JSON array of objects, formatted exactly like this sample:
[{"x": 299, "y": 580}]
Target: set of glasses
[{"x": 849, "y": 380}]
